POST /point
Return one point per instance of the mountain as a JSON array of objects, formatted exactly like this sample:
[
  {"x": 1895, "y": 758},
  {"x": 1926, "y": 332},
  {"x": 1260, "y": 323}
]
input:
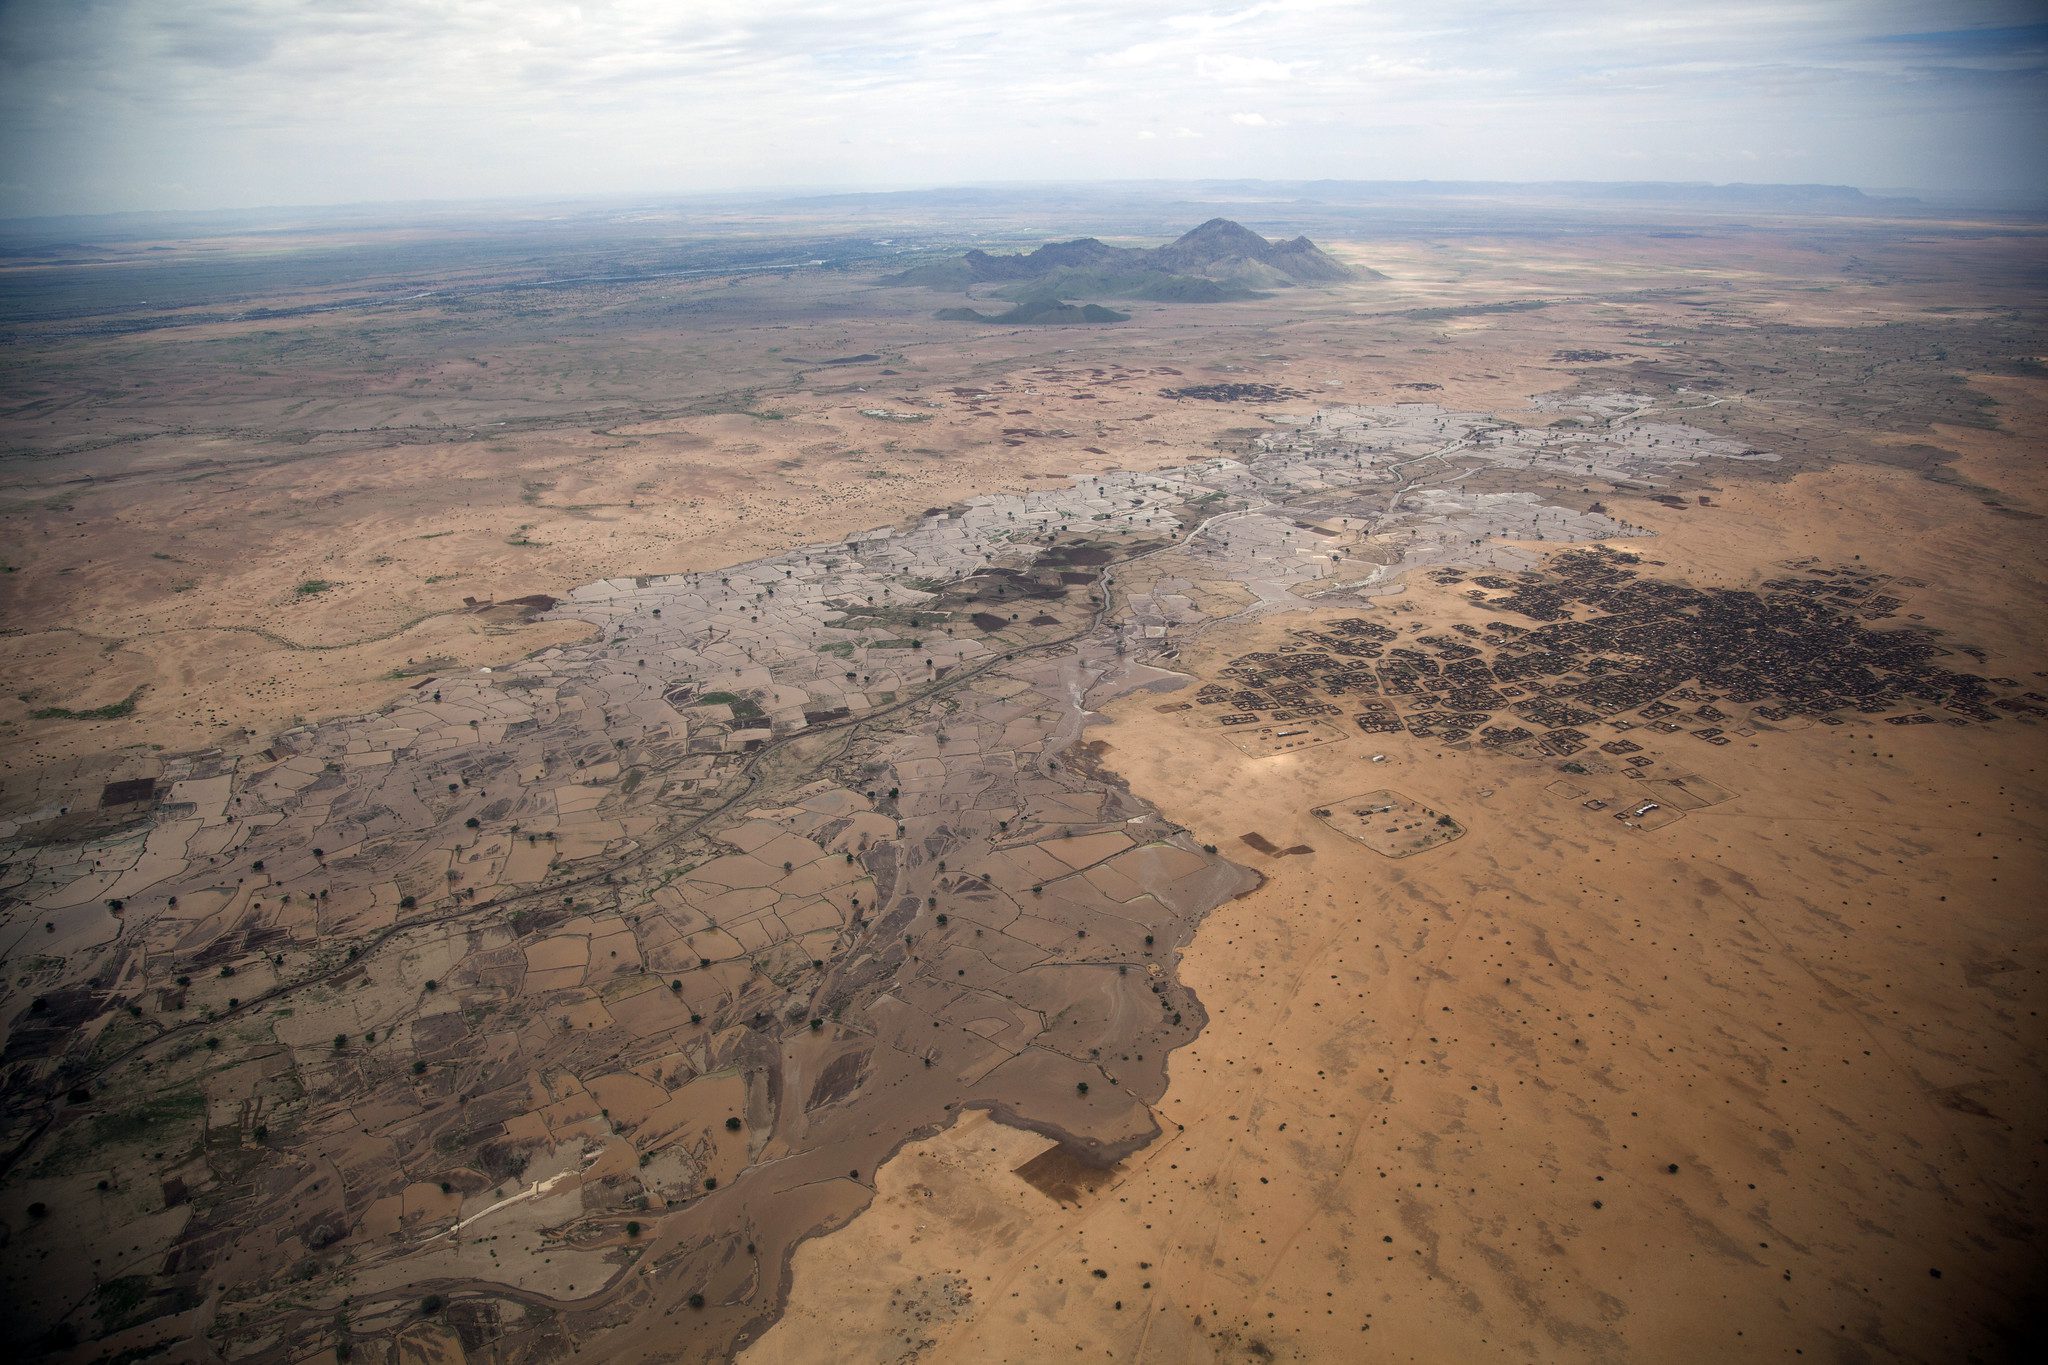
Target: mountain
[
  {"x": 1218, "y": 261},
  {"x": 1043, "y": 311}
]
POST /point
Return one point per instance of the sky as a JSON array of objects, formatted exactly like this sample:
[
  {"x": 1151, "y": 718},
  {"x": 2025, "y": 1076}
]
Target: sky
[{"x": 114, "y": 105}]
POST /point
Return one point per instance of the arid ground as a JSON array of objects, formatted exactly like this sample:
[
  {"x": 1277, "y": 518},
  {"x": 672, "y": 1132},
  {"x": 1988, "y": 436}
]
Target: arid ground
[{"x": 672, "y": 815}]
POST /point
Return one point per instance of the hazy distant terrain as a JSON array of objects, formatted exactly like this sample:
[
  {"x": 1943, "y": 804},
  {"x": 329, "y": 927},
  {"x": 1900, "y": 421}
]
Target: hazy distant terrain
[{"x": 1453, "y": 767}]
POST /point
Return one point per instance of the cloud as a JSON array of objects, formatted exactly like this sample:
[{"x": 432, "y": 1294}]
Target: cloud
[
  {"x": 1232, "y": 69},
  {"x": 269, "y": 101}
]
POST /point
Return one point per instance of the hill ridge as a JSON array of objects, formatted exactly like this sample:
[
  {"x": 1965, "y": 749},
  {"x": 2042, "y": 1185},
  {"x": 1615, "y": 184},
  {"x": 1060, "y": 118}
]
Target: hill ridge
[{"x": 1215, "y": 261}]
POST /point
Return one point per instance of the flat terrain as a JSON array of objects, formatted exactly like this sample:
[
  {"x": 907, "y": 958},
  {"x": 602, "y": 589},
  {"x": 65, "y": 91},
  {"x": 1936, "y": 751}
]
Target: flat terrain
[
  {"x": 1755, "y": 1083},
  {"x": 1494, "y": 811}
]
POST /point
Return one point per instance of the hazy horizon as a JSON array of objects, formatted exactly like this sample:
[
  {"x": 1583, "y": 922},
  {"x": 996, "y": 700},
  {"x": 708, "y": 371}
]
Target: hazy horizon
[{"x": 223, "y": 105}]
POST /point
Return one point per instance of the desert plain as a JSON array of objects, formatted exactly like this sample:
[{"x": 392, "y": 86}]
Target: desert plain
[{"x": 699, "y": 810}]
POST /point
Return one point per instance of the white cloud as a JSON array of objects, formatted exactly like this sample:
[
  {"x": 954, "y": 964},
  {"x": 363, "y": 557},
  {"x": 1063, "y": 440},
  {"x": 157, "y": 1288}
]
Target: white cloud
[
  {"x": 1232, "y": 69},
  {"x": 279, "y": 101}
]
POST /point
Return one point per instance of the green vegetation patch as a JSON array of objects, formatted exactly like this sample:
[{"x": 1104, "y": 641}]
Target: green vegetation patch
[
  {"x": 1470, "y": 310},
  {"x": 128, "y": 1302},
  {"x": 115, "y": 1302},
  {"x": 111, "y": 711},
  {"x": 312, "y": 586},
  {"x": 742, "y": 708},
  {"x": 150, "y": 1123},
  {"x": 156, "y": 1117}
]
